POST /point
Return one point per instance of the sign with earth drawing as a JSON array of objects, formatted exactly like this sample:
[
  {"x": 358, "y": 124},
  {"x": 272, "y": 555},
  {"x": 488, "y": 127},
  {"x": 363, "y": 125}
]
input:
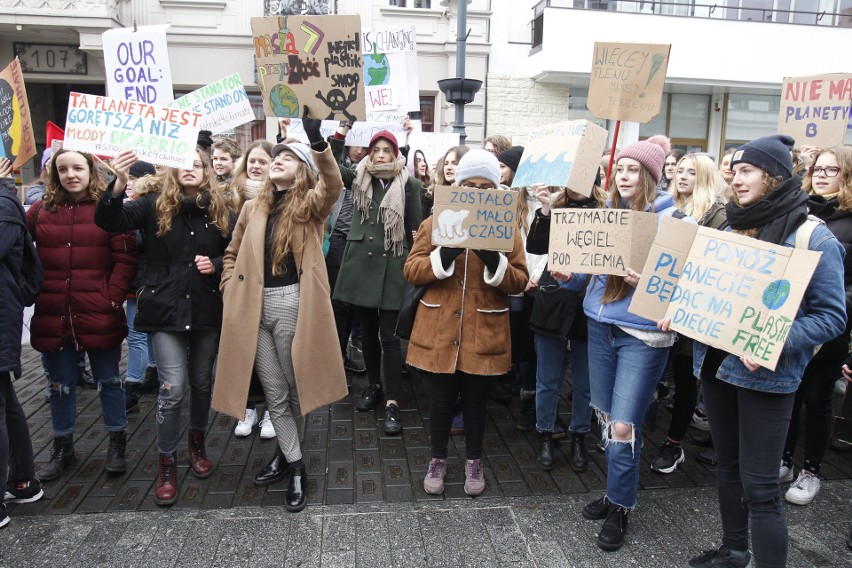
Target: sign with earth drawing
[
  {"x": 730, "y": 291},
  {"x": 390, "y": 71},
  {"x": 310, "y": 60}
]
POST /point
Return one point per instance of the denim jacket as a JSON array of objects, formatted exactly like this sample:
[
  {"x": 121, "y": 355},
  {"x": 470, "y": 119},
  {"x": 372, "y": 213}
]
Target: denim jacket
[
  {"x": 616, "y": 312},
  {"x": 821, "y": 318}
]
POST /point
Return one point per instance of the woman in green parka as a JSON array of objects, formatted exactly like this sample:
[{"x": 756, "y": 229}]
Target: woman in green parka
[{"x": 387, "y": 214}]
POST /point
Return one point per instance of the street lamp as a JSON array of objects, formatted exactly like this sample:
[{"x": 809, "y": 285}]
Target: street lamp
[{"x": 459, "y": 91}]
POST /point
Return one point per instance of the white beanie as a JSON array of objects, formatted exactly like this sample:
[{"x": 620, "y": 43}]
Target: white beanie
[{"x": 481, "y": 164}]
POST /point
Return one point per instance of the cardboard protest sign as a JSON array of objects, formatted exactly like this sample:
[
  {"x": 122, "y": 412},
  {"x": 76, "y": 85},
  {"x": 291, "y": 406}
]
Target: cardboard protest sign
[
  {"x": 17, "y": 141},
  {"x": 105, "y": 126},
  {"x": 815, "y": 109},
  {"x": 472, "y": 218},
  {"x": 600, "y": 241},
  {"x": 310, "y": 60},
  {"x": 564, "y": 154},
  {"x": 726, "y": 290},
  {"x": 137, "y": 65},
  {"x": 627, "y": 80},
  {"x": 359, "y": 135},
  {"x": 391, "y": 80},
  {"x": 223, "y": 104},
  {"x": 433, "y": 144}
]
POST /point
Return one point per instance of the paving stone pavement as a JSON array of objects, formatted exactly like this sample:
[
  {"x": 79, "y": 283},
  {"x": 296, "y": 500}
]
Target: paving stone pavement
[{"x": 366, "y": 505}]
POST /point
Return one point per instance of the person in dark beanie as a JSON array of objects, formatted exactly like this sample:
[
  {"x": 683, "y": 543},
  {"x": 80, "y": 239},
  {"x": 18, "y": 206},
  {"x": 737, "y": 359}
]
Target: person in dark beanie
[
  {"x": 16, "y": 449},
  {"x": 509, "y": 161},
  {"x": 386, "y": 216},
  {"x": 205, "y": 141},
  {"x": 749, "y": 406},
  {"x": 141, "y": 169}
]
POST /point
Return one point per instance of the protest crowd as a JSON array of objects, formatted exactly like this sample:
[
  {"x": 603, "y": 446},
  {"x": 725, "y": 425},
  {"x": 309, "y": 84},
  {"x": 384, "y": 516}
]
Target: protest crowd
[{"x": 246, "y": 280}]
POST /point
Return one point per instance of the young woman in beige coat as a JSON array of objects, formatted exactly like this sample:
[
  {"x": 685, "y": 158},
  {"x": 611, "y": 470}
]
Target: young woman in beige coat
[{"x": 278, "y": 314}]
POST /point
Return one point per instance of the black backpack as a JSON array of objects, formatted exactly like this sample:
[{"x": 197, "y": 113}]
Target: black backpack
[{"x": 31, "y": 278}]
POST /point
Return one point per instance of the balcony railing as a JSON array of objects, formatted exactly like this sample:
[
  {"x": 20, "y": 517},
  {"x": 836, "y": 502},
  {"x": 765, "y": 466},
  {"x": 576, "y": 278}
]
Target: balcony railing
[
  {"x": 734, "y": 10},
  {"x": 88, "y": 8}
]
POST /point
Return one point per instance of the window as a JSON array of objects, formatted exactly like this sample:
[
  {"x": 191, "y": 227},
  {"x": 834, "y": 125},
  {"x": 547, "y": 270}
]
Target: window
[
  {"x": 427, "y": 110},
  {"x": 577, "y": 109},
  {"x": 411, "y": 3},
  {"x": 683, "y": 118},
  {"x": 751, "y": 116}
]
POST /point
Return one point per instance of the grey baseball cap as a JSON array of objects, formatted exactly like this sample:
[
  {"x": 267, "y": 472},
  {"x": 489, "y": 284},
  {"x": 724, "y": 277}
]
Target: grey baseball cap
[{"x": 302, "y": 151}]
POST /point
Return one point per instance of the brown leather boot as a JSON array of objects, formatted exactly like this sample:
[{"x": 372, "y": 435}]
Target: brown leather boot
[
  {"x": 201, "y": 465},
  {"x": 166, "y": 491}
]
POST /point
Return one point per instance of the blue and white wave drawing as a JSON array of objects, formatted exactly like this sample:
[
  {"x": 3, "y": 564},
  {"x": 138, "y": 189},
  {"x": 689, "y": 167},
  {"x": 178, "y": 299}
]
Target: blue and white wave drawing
[{"x": 538, "y": 169}]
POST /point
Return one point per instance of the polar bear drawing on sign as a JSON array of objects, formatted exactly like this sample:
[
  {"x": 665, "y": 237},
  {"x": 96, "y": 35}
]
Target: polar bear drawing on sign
[{"x": 449, "y": 230}]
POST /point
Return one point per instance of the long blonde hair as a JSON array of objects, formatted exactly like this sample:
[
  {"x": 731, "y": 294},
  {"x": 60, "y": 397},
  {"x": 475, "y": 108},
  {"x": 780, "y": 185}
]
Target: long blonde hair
[
  {"x": 237, "y": 186},
  {"x": 562, "y": 198},
  {"x": 709, "y": 185},
  {"x": 171, "y": 194},
  {"x": 843, "y": 155},
  {"x": 55, "y": 196},
  {"x": 292, "y": 210},
  {"x": 616, "y": 288}
]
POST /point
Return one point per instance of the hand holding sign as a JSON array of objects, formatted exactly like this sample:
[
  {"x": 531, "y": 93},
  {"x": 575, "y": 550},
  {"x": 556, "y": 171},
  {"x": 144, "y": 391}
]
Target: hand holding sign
[
  {"x": 121, "y": 166},
  {"x": 5, "y": 168}
]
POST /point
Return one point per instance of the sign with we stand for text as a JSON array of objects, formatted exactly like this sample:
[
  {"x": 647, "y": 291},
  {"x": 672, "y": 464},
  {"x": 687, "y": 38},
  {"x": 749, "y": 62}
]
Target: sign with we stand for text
[
  {"x": 159, "y": 135},
  {"x": 815, "y": 109},
  {"x": 726, "y": 290},
  {"x": 600, "y": 241},
  {"x": 223, "y": 104},
  {"x": 472, "y": 218}
]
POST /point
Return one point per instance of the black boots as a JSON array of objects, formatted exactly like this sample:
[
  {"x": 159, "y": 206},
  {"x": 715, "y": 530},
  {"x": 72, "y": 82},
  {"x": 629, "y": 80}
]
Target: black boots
[
  {"x": 61, "y": 456},
  {"x": 295, "y": 498},
  {"x": 275, "y": 470},
  {"x": 614, "y": 528},
  {"x": 527, "y": 419},
  {"x": 116, "y": 461},
  {"x": 545, "y": 454},
  {"x": 578, "y": 460}
]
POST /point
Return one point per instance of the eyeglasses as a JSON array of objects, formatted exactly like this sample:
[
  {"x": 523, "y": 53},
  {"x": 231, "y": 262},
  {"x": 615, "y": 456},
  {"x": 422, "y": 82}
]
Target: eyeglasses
[{"x": 830, "y": 171}]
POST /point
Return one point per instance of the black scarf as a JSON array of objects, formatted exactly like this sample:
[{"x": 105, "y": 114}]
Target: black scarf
[
  {"x": 776, "y": 216},
  {"x": 189, "y": 205}
]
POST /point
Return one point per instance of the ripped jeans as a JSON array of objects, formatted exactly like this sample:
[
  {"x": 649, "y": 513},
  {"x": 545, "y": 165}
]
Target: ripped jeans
[
  {"x": 62, "y": 367},
  {"x": 184, "y": 363},
  {"x": 623, "y": 375}
]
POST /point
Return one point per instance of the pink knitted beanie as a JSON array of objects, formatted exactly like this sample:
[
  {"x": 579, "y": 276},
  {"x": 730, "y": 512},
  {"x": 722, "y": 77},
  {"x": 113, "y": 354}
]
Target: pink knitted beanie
[{"x": 651, "y": 153}]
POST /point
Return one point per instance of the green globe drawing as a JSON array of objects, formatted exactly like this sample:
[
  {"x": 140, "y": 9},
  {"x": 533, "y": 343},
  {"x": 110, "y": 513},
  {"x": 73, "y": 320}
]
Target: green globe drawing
[
  {"x": 376, "y": 69},
  {"x": 284, "y": 101}
]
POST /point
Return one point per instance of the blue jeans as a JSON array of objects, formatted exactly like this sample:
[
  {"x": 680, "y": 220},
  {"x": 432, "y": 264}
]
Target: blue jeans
[
  {"x": 623, "y": 374},
  {"x": 137, "y": 346},
  {"x": 749, "y": 429},
  {"x": 62, "y": 367},
  {"x": 184, "y": 362},
  {"x": 553, "y": 359}
]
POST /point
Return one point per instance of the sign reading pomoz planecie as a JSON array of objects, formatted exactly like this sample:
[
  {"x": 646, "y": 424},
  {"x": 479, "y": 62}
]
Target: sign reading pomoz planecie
[
  {"x": 729, "y": 291},
  {"x": 159, "y": 135},
  {"x": 627, "y": 80},
  {"x": 472, "y": 218}
]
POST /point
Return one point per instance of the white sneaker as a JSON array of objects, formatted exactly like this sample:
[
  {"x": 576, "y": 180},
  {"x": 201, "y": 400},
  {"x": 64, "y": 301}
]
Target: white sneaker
[
  {"x": 267, "y": 431},
  {"x": 840, "y": 386},
  {"x": 785, "y": 474},
  {"x": 700, "y": 422},
  {"x": 244, "y": 427},
  {"x": 804, "y": 489}
]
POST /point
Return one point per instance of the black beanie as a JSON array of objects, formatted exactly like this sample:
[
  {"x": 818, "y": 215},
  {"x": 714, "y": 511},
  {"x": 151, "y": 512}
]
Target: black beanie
[
  {"x": 511, "y": 157},
  {"x": 770, "y": 153},
  {"x": 142, "y": 169},
  {"x": 205, "y": 139}
]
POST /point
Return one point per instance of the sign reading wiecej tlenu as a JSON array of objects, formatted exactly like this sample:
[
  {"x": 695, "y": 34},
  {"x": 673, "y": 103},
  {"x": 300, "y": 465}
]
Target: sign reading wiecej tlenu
[
  {"x": 472, "y": 218},
  {"x": 310, "y": 60},
  {"x": 726, "y": 290},
  {"x": 600, "y": 241},
  {"x": 159, "y": 135},
  {"x": 627, "y": 80},
  {"x": 815, "y": 109}
]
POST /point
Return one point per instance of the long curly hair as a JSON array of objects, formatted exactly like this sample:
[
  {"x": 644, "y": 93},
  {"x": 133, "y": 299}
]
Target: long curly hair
[
  {"x": 55, "y": 196},
  {"x": 709, "y": 185},
  {"x": 171, "y": 194},
  {"x": 240, "y": 176},
  {"x": 290, "y": 211}
]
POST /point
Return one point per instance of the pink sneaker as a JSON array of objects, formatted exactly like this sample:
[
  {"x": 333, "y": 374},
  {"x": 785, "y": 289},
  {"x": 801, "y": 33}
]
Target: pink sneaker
[
  {"x": 474, "y": 482},
  {"x": 434, "y": 482}
]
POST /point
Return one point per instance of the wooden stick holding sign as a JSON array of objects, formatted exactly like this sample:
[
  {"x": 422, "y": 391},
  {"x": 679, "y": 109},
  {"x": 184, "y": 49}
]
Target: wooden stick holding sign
[
  {"x": 815, "y": 109},
  {"x": 600, "y": 241},
  {"x": 729, "y": 291},
  {"x": 472, "y": 218}
]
